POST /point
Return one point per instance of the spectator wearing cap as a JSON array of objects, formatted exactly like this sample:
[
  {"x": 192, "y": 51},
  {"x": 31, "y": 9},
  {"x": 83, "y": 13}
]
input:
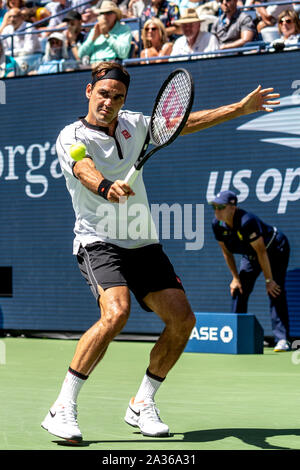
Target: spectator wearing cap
[
  {"x": 56, "y": 57},
  {"x": 264, "y": 249},
  {"x": 56, "y": 48},
  {"x": 109, "y": 39},
  {"x": 233, "y": 28},
  {"x": 193, "y": 39},
  {"x": 42, "y": 13},
  {"x": 74, "y": 34}
]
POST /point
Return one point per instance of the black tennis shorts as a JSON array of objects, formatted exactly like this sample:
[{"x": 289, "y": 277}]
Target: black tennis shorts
[{"x": 142, "y": 270}]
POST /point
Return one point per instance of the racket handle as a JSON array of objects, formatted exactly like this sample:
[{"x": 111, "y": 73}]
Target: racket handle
[{"x": 131, "y": 176}]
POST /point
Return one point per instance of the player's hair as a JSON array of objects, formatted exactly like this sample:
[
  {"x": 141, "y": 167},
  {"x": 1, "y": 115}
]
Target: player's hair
[{"x": 105, "y": 67}]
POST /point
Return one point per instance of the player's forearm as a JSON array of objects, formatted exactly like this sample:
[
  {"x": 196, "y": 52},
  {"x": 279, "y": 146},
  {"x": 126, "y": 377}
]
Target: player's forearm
[
  {"x": 88, "y": 175},
  {"x": 200, "y": 120},
  {"x": 86, "y": 172}
]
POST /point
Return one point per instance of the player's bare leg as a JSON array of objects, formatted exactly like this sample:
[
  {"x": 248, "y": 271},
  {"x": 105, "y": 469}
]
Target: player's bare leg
[
  {"x": 62, "y": 417},
  {"x": 173, "y": 308},
  {"x": 115, "y": 309}
]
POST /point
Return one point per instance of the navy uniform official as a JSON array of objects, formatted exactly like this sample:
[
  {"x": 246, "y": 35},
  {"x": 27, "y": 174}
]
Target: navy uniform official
[{"x": 263, "y": 249}]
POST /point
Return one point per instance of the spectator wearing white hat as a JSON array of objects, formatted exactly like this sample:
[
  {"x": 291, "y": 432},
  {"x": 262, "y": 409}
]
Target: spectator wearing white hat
[
  {"x": 57, "y": 57},
  {"x": 193, "y": 39},
  {"x": 56, "y": 47},
  {"x": 109, "y": 39}
]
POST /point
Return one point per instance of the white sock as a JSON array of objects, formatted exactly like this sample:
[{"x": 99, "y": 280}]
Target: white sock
[
  {"x": 71, "y": 387},
  {"x": 148, "y": 388}
]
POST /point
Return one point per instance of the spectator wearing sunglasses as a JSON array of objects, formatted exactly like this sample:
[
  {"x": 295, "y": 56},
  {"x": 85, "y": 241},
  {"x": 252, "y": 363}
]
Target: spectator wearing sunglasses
[
  {"x": 155, "y": 41},
  {"x": 289, "y": 26},
  {"x": 193, "y": 38},
  {"x": 264, "y": 249},
  {"x": 269, "y": 15}
]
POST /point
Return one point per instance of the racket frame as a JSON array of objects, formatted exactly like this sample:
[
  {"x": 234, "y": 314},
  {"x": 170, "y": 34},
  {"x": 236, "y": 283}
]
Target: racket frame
[{"x": 142, "y": 157}]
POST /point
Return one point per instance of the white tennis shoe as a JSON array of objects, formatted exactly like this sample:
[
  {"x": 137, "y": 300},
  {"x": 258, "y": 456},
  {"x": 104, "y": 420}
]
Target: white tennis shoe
[
  {"x": 145, "y": 416},
  {"x": 62, "y": 422},
  {"x": 282, "y": 345}
]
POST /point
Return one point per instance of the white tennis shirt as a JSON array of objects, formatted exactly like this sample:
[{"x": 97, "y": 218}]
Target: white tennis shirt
[{"x": 128, "y": 225}]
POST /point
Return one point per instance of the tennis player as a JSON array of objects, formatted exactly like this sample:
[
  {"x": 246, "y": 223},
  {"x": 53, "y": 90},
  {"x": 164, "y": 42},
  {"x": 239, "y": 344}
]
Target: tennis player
[{"x": 114, "y": 264}]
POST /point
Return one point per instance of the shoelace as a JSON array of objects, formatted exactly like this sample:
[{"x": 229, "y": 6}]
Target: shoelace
[
  {"x": 150, "y": 410},
  {"x": 69, "y": 414}
]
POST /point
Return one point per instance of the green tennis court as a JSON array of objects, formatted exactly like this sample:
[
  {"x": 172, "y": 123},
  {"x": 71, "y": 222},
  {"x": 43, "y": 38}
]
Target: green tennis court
[{"x": 210, "y": 401}]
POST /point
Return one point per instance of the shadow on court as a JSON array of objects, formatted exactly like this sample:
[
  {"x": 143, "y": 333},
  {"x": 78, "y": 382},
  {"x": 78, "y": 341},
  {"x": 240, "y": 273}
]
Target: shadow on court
[{"x": 250, "y": 436}]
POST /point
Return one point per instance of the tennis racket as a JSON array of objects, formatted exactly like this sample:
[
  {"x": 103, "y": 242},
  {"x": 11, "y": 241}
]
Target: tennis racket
[{"x": 170, "y": 113}]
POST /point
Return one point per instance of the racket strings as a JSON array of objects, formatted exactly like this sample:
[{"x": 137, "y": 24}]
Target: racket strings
[{"x": 171, "y": 108}]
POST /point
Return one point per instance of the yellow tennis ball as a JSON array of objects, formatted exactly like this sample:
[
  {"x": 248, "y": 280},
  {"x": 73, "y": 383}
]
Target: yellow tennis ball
[{"x": 78, "y": 151}]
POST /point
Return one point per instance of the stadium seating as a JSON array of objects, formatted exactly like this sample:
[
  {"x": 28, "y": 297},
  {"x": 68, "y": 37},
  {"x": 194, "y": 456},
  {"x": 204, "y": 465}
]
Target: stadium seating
[{"x": 33, "y": 62}]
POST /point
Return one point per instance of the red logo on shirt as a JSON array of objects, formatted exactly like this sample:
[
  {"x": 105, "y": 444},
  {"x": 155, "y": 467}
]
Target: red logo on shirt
[{"x": 126, "y": 134}]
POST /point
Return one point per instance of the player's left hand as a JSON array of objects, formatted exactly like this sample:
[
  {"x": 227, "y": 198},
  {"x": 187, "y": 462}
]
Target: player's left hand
[
  {"x": 259, "y": 100},
  {"x": 273, "y": 288}
]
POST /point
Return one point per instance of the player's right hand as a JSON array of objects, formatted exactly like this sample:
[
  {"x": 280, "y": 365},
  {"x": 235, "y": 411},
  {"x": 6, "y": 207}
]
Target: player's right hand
[
  {"x": 235, "y": 286},
  {"x": 119, "y": 192}
]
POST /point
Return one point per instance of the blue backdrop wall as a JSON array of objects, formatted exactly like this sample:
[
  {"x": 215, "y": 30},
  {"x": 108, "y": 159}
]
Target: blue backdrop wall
[{"x": 257, "y": 156}]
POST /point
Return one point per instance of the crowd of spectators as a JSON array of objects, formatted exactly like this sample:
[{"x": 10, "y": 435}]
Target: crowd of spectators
[{"x": 42, "y": 36}]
